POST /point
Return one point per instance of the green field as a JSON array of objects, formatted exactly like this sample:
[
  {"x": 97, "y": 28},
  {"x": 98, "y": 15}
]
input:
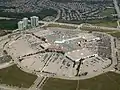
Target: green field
[
  {"x": 59, "y": 84},
  {"x": 108, "y": 12},
  {"x": 15, "y": 77},
  {"x": 8, "y": 24},
  {"x": 70, "y": 22},
  {"x": 108, "y": 81},
  {"x": 106, "y": 23},
  {"x": 97, "y": 30}
]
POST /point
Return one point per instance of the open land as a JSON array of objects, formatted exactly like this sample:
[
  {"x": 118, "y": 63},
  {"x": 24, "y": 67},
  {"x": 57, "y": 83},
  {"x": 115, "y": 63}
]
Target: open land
[
  {"x": 107, "y": 81},
  {"x": 13, "y": 76}
]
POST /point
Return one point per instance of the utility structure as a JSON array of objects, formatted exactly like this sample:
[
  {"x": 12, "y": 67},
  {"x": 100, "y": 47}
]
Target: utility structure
[{"x": 34, "y": 21}]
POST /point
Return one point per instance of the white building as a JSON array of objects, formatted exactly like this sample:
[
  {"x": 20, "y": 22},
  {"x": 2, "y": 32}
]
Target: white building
[
  {"x": 83, "y": 53},
  {"x": 25, "y": 22},
  {"x": 20, "y": 25},
  {"x": 34, "y": 21}
]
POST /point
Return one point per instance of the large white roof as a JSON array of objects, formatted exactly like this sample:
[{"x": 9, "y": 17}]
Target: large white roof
[{"x": 76, "y": 55}]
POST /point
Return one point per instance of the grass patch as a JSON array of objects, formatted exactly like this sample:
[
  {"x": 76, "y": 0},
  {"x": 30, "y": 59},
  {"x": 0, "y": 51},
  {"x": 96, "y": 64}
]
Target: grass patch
[
  {"x": 115, "y": 34},
  {"x": 13, "y": 76},
  {"x": 78, "y": 22},
  {"x": 108, "y": 81},
  {"x": 105, "y": 23},
  {"x": 96, "y": 29},
  {"x": 61, "y": 26},
  {"x": 47, "y": 12},
  {"x": 59, "y": 84},
  {"x": 107, "y": 12}
]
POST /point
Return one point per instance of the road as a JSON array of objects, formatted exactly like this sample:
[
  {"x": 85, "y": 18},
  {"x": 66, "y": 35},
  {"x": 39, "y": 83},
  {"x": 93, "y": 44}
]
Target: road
[
  {"x": 117, "y": 8},
  {"x": 6, "y": 18},
  {"x": 58, "y": 15},
  {"x": 7, "y": 64},
  {"x": 82, "y": 26},
  {"x": 38, "y": 84}
]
